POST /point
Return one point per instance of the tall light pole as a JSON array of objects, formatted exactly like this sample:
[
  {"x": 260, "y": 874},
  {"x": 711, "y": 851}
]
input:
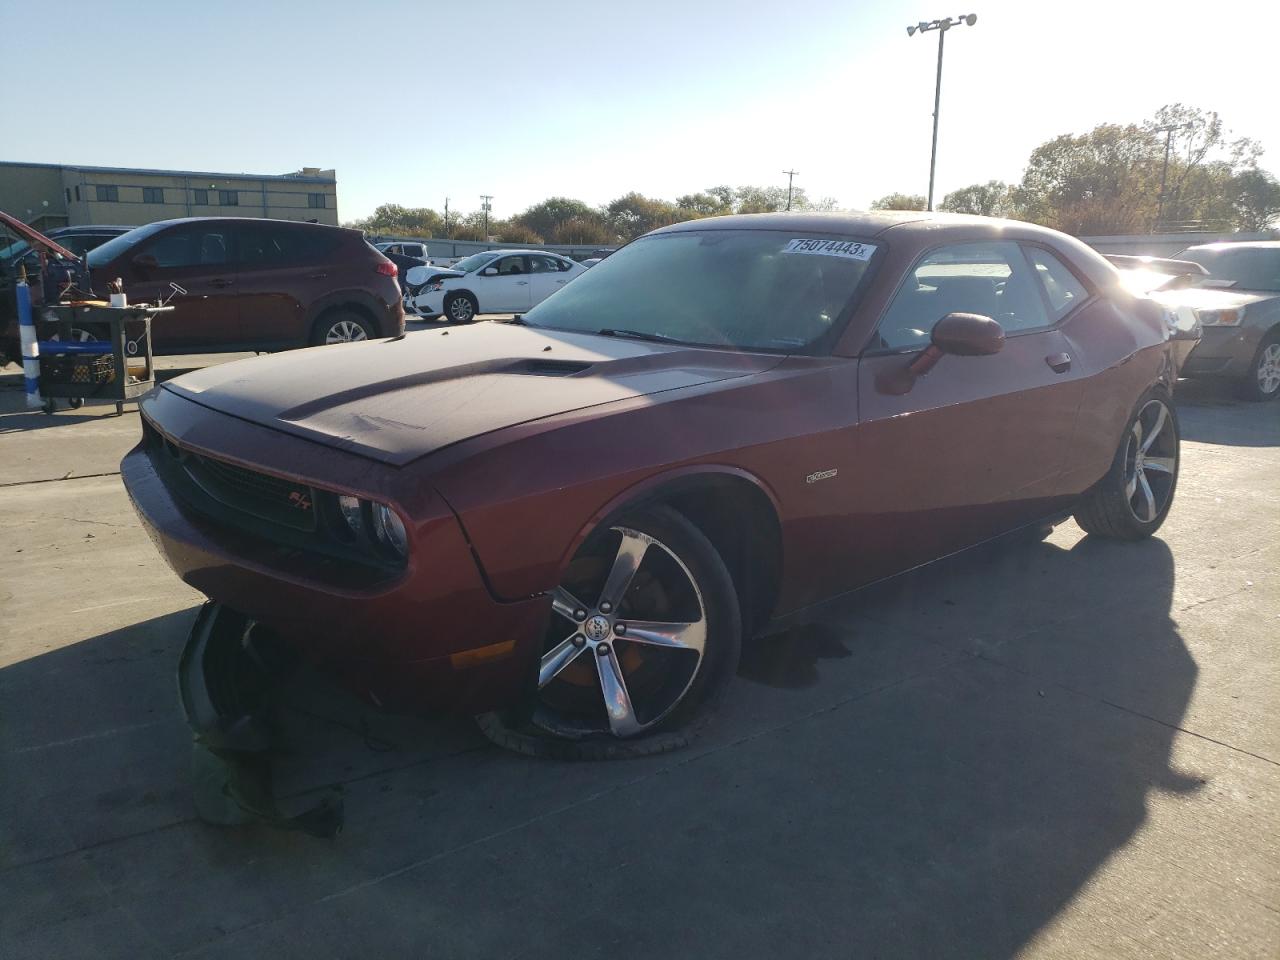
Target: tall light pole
[
  {"x": 486, "y": 206},
  {"x": 791, "y": 175},
  {"x": 942, "y": 26},
  {"x": 1168, "y": 131},
  {"x": 446, "y": 218}
]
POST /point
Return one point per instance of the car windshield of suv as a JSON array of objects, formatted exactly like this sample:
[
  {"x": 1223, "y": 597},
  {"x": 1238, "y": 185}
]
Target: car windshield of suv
[
  {"x": 748, "y": 289},
  {"x": 14, "y": 250},
  {"x": 1242, "y": 268},
  {"x": 101, "y": 256},
  {"x": 474, "y": 262}
]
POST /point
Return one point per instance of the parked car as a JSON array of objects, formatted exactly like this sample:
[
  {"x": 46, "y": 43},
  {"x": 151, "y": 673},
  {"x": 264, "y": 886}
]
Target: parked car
[
  {"x": 404, "y": 248},
  {"x": 572, "y": 521},
  {"x": 253, "y": 284},
  {"x": 495, "y": 281},
  {"x": 1239, "y": 306},
  {"x": 19, "y": 255}
]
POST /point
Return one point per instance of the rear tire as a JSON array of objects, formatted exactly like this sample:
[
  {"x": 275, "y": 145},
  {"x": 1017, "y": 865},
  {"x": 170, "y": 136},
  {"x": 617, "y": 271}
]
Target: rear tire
[
  {"x": 461, "y": 307},
  {"x": 680, "y": 600},
  {"x": 1131, "y": 501},
  {"x": 341, "y": 326},
  {"x": 1263, "y": 380}
]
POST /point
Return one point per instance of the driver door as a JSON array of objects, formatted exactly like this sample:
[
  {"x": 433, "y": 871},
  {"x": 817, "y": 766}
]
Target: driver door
[
  {"x": 975, "y": 447},
  {"x": 506, "y": 288}
]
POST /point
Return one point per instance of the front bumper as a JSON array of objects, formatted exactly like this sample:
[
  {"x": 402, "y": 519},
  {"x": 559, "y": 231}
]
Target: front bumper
[
  {"x": 1223, "y": 352},
  {"x": 429, "y": 304},
  {"x": 433, "y": 638}
]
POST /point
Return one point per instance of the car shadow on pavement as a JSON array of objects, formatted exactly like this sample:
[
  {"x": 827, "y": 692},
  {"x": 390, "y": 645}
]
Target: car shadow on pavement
[{"x": 936, "y": 770}]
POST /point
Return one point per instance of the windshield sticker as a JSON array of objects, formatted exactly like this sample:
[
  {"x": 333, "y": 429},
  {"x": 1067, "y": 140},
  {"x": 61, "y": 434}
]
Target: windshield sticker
[{"x": 848, "y": 249}]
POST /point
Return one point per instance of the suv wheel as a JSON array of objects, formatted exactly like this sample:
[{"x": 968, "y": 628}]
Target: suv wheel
[
  {"x": 461, "y": 307},
  {"x": 644, "y": 637},
  {"x": 1263, "y": 380},
  {"x": 341, "y": 326}
]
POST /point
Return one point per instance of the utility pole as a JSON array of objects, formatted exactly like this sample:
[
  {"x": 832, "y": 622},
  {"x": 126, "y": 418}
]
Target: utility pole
[
  {"x": 1168, "y": 132},
  {"x": 446, "y": 219},
  {"x": 486, "y": 206},
  {"x": 791, "y": 175},
  {"x": 942, "y": 26}
]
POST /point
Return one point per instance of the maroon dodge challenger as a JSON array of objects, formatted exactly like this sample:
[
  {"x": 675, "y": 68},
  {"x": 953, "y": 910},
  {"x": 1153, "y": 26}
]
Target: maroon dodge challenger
[{"x": 568, "y": 522}]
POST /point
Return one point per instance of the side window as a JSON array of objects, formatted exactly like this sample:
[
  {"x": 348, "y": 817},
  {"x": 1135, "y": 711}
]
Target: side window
[
  {"x": 191, "y": 247},
  {"x": 990, "y": 279},
  {"x": 510, "y": 265},
  {"x": 279, "y": 246},
  {"x": 544, "y": 265},
  {"x": 1065, "y": 292}
]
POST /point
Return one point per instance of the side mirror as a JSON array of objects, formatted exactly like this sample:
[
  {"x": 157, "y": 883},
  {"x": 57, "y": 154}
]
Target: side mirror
[
  {"x": 417, "y": 276},
  {"x": 968, "y": 335},
  {"x": 958, "y": 334},
  {"x": 145, "y": 261},
  {"x": 489, "y": 272}
]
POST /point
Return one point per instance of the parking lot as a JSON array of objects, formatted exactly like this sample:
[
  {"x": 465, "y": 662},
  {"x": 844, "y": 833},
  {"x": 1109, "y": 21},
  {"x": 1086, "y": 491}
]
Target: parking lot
[{"x": 1065, "y": 748}]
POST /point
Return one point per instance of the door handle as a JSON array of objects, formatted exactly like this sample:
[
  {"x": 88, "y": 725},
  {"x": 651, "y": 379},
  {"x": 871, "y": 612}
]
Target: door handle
[
  {"x": 1059, "y": 362},
  {"x": 522, "y": 283},
  {"x": 221, "y": 283},
  {"x": 561, "y": 281}
]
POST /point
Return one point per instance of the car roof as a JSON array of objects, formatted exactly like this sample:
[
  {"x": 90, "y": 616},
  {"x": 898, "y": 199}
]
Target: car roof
[
  {"x": 274, "y": 220},
  {"x": 89, "y": 228},
  {"x": 869, "y": 224}
]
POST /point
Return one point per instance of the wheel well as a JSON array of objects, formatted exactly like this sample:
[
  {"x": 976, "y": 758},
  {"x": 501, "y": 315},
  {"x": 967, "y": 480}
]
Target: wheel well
[{"x": 741, "y": 523}]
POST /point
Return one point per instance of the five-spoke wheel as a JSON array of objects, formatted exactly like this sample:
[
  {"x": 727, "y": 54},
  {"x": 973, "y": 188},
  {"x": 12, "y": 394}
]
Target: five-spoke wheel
[
  {"x": 643, "y": 637},
  {"x": 1132, "y": 499}
]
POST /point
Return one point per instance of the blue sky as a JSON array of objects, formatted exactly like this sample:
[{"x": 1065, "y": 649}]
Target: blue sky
[{"x": 413, "y": 102}]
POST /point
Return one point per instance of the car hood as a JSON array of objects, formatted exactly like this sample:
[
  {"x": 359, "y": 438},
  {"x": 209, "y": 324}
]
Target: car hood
[{"x": 397, "y": 400}]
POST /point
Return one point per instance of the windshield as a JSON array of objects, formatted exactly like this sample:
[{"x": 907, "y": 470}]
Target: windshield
[
  {"x": 750, "y": 289},
  {"x": 101, "y": 256},
  {"x": 474, "y": 262},
  {"x": 1241, "y": 268}
]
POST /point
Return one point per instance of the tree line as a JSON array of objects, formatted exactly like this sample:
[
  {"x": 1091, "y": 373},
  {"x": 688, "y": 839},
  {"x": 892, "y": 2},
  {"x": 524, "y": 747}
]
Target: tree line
[{"x": 1179, "y": 170}]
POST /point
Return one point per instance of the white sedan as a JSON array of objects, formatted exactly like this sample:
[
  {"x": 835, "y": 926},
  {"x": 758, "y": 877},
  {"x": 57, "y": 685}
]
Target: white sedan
[{"x": 496, "y": 281}]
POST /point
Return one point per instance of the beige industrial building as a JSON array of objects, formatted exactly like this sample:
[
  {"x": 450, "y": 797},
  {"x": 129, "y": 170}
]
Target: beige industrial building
[{"x": 48, "y": 195}]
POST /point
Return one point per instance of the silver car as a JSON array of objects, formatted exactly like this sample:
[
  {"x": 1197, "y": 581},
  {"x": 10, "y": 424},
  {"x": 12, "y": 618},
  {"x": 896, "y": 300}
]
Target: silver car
[{"x": 1238, "y": 305}]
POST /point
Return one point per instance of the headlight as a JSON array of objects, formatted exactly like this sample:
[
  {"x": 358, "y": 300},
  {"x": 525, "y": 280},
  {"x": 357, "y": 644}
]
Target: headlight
[
  {"x": 388, "y": 529},
  {"x": 369, "y": 521},
  {"x": 1221, "y": 318},
  {"x": 436, "y": 287},
  {"x": 353, "y": 513}
]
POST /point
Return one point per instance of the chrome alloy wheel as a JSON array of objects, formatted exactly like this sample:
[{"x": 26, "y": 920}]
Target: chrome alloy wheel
[
  {"x": 1151, "y": 461},
  {"x": 629, "y": 658},
  {"x": 1268, "y": 371},
  {"x": 345, "y": 331}
]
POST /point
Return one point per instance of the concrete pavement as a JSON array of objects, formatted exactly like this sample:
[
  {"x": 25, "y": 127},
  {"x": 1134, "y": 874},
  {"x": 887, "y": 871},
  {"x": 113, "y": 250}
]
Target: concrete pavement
[{"x": 1059, "y": 749}]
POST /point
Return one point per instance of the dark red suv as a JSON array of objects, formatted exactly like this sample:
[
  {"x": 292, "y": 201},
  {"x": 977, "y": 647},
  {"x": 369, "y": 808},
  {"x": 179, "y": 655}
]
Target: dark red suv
[{"x": 253, "y": 284}]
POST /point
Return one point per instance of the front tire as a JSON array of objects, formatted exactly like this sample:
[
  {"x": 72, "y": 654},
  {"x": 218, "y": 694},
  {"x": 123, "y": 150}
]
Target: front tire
[
  {"x": 1132, "y": 500},
  {"x": 1263, "y": 380},
  {"x": 461, "y": 307},
  {"x": 645, "y": 636}
]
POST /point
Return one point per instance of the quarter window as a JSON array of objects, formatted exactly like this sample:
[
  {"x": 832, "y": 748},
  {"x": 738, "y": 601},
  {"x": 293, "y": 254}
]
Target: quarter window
[
  {"x": 989, "y": 279},
  {"x": 1062, "y": 288}
]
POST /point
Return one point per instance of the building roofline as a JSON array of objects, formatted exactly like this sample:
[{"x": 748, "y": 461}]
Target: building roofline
[{"x": 289, "y": 177}]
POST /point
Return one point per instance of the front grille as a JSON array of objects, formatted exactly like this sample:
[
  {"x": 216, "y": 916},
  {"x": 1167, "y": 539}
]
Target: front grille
[
  {"x": 266, "y": 497},
  {"x": 290, "y": 519}
]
